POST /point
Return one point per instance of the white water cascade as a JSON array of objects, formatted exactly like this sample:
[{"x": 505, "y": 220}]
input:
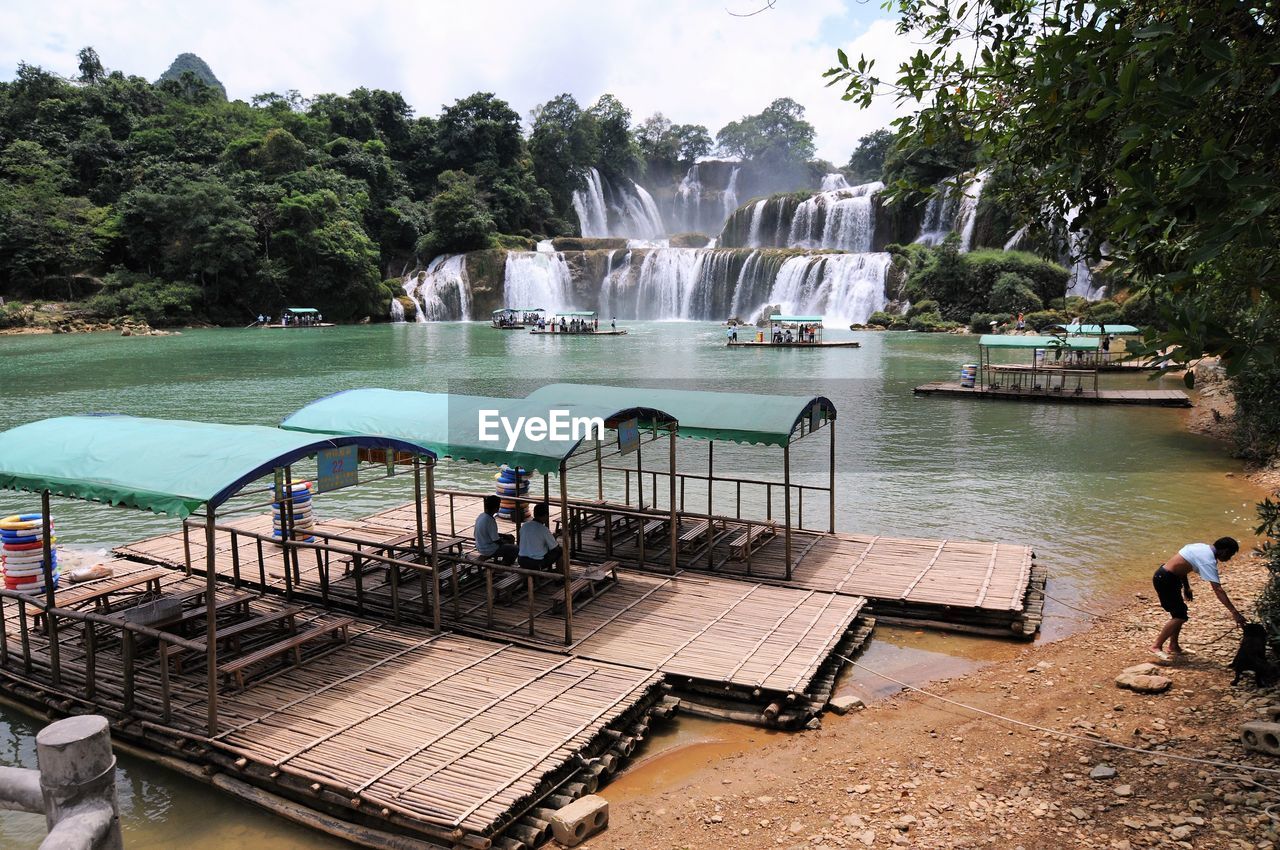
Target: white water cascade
[
  {"x": 967, "y": 215},
  {"x": 843, "y": 288},
  {"x": 607, "y": 210},
  {"x": 731, "y": 193},
  {"x": 834, "y": 180},
  {"x": 951, "y": 209},
  {"x": 538, "y": 279},
  {"x": 841, "y": 219},
  {"x": 440, "y": 291},
  {"x": 397, "y": 310},
  {"x": 1016, "y": 239},
  {"x": 667, "y": 279},
  {"x": 757, "y": 217}
]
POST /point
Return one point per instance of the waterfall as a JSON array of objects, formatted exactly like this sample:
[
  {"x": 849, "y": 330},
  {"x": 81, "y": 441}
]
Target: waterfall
[
  {"x": 537, "y": 279},
  {"x": 397, "y": 310},
  {"x": 611, "y": 288},
  {"x": 1016, "y": 239},
  {"x": 843, "y": 288},
  {"x": 855, "y": 286},
  {"x": 589, "y": 205},
  {"x": 1081, "y": 282},
  {"x": 841, "y": 219},
  {"x": 667, "y": 279},
  {"x": 546, "y": 246},
  {"x": 606, "y": 210},
  {"x": 441, "y": 292},
  {"x": 967, "y": 215},
  {"x": 753, "y": 233},
  {"x": 834, "y": 180},
  {"x": 731, "y": 192},
  {"x": 689, "y": 198}
]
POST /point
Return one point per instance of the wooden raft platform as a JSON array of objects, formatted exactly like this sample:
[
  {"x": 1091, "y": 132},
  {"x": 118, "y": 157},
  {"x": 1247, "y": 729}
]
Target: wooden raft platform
[
  {"x": 1151, "y": 398},
  {"x": 442, "y": 737},
  {"x": 753, "y": 344},
  {"x": 740, "y": 646}
]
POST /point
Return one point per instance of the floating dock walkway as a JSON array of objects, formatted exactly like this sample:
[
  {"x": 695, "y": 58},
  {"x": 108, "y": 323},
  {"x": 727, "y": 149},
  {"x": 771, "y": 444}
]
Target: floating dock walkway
[
  {"x": 1151, "y": 398},
  {"x": 412, "y": 739}
]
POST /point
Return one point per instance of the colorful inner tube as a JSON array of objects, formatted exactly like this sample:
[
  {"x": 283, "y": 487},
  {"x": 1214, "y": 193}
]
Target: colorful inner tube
[
  {"x": 27, "y": 547},
  {"x": 19, "y": 522}
]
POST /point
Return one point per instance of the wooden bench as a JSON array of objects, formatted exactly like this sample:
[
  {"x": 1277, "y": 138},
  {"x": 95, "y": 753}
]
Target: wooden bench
[
  {"x": 200, "y": 611},
  {"x": 292, "y": 645},
  {"x": 283, "y": 617},
  {"x": 749, "y": 540},
  {"x": 505, "y": 585},
  {"x": 654, "y": 527},
  {"x": 99, "y": 590},
  {"x": 588, "y": 583}
]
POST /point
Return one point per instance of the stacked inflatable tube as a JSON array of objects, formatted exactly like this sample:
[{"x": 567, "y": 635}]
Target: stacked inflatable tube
[
  {"x": 22, "y": 553},
  {"x": 303, "y": 513},
  {"x": 506, "y": 487}
]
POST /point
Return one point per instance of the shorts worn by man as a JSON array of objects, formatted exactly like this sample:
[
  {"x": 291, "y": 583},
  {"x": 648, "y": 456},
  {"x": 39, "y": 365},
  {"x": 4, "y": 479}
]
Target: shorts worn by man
[{"x": 1172, "y": 585}]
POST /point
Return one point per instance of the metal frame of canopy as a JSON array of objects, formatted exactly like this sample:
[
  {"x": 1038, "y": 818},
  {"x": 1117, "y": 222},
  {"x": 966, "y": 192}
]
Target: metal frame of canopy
[
  {"x": 1057, "y": 344},
  {"x": 441, "y": 421},
  {"x": 733, "y": 417},
  {"x": 172, "y": 467},
  {"x": 779, "y": 322}
]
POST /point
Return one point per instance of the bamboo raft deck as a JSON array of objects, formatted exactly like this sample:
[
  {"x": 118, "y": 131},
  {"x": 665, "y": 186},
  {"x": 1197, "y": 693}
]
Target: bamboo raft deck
[
  {"x": 748, "y": 648},
  {"x": 445, "y": 738},
  {"x": 983, "y": 588},
  {"x": 1151, "y": 398},
  {"x": 579, "y": 335},
  {"x": 753, "y": 344}
]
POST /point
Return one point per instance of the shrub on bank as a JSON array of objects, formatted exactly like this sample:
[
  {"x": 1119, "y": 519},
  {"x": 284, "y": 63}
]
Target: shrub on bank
[
  {"x": 1104, "y": 312},
  {"x": 921, "y": 307},
  {"x": 156, "y": 302},
  {"x": 982, "y": 323},
  {"x": 1013, "y": 293},
  {"x": 931, "y": 323},
  {"x": 1042, "y": 319}
]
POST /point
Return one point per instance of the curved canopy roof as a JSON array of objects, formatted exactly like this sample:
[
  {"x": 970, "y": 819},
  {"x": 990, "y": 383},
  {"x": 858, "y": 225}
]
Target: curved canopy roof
[
  {"x": 737, "y": 417},
  {"x": 1072, "y": 343},
  {"x": 1098, "y": 330},
  {"x": 468, "y": 427},
  {"x": 168, "y": 466}
]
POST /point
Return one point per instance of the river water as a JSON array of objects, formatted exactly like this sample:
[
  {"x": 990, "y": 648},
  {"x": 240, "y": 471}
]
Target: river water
[{"x": 1102, "y": 494}]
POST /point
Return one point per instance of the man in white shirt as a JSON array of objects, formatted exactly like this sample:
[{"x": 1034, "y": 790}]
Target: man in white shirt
[
  {"x": 539, "y": 549},
  {"x": 1171, "y": 584},
  {"x": 489, "y": 543}
]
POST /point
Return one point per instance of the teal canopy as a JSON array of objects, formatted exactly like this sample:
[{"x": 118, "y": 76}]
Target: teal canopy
[
  {"x": 779, "y": 318},
  {"x": 301, "y": 310},
  {"x": 737, "y": 417},
  {"x": 517, "y": 310},
  {"x": 468, "y": 427},
  {"x": 1015, "y": 341},
  {"x": 1099, "y": 330},
  {"x": 163, "y": 465},
  {"x": 578, "y": 313}
]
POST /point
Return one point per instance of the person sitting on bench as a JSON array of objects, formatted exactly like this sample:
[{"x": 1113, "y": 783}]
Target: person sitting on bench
[
  {"x": 538, "y": 547},
  {"x": 489, "y": 543}
]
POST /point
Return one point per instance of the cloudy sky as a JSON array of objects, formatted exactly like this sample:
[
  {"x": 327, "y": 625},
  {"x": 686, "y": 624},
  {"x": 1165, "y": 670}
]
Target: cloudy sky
[{"x": 696, "y": 62}]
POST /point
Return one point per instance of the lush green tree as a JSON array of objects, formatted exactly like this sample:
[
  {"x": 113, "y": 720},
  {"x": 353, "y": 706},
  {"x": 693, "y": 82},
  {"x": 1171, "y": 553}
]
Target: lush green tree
[
  {"x": 460, "y": 218},
  {"x": 1014, "y": 293},
  {"x": 91, "y": 70},
  {"x": 778, "y": 136},
  {"x": 617, "y": 152},
  {"x": 562, "y": 145},
  {"x": 668, "y": 146},
  {"x": 479, "y": 134},
  {"x": 867, "y": 161}
]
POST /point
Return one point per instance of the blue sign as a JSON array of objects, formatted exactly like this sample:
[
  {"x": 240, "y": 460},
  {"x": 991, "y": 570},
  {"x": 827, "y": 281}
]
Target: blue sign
[
  {"x": 337, "y": 468},
  {"x": 628, "y": 436}
]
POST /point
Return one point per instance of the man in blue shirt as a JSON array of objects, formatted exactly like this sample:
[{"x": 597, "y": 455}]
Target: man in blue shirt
[
  {"x": 489, "y": 543},
  {"x": 539, "y": 549},
  {"x": 1172, "y": 584}
]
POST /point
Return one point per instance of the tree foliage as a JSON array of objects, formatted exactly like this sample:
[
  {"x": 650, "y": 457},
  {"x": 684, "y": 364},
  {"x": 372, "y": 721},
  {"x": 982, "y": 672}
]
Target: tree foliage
[
  {"x": 777, "y": 136},
  {"x": 867, "y": 161}
]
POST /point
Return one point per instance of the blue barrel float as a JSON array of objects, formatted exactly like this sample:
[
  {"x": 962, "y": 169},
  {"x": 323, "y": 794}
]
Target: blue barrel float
[
  {"x": 506, "y": 487},
  {"x": 969, "y": 374},
  {"x": 22, "y": 553},
  {"x": 303, "y": 513}
]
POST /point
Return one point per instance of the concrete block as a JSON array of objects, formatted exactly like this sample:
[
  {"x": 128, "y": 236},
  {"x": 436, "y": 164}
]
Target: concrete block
[
  {"x": 580, "y": 820},
  {"x": 1261, "y": 736},
  {"x": 844, "y": 704}
]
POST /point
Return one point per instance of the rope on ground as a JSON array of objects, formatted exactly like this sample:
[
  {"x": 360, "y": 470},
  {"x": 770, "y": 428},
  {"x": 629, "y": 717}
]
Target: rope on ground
[
  {"x": 1101, "y": 742},
  {"x": 1133, "y": 623}
]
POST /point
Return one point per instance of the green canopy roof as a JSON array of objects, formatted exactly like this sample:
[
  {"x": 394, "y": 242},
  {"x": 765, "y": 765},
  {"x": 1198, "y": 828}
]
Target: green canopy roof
[
  {"x": 451, "y": 425},
  {"x": 1098, "y": 330},
  {"x": 518, "y": 310},
  {"x": 164, "y": 465},
  {"x": 577, "y": 313},
  {"x": 1014, "y": 341},
  {"x": 301, "y": 310},
  {"x": 737, "y": 417},
  {"x": 780, "y": 318}
]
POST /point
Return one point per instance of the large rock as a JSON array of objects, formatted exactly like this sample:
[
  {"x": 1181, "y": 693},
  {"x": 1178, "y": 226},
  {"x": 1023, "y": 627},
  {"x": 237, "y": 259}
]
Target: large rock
[
  {"x": 1143, "y": 684},
  {"x": 585, "y": 243}
]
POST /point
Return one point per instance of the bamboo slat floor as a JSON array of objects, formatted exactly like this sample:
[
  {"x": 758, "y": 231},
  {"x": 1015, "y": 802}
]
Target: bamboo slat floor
[
  {"x": 442, "y": 733},
  {"x": 752, "y": 638},
  {"x": 1152, "y": 398}
]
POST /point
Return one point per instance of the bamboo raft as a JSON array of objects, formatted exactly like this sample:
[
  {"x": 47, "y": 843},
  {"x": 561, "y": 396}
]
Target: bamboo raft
[
  {"x": 760, "y": 649},
  {"x": 748, "y": 343},
  {"x": 1150, "y": 398},
  {"x": 410, "y": 739}
]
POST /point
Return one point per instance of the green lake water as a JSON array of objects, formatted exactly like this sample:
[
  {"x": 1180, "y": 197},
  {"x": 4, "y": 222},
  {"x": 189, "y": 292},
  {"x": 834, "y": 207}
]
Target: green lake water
[{"x": 1101, "y": 493}]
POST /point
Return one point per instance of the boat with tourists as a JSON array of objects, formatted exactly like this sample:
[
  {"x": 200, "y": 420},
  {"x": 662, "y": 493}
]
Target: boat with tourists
[
  {"x": 296, "y": 317},
  {"x": 1062, "y": 369},
  {"x": 788, "y": 332},
  {"x": 515, "y": 318},
  {"x": 575, "y": 323}
]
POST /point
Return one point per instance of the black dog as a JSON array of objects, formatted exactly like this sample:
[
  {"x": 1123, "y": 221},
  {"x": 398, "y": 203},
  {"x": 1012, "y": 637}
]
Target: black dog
[{"x": 1252, "y": 655}]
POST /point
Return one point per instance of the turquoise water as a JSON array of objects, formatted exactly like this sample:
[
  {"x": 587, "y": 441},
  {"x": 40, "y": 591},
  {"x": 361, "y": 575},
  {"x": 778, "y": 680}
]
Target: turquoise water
[{"x": 1101, "y": 493}]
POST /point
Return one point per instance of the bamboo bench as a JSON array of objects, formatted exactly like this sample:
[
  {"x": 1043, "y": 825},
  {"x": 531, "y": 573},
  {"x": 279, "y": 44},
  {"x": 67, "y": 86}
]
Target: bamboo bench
[
  {"x": 200, "y": 611},
  {"x": 284, "y": 617},
  {"x": 749, "y": 540},
  {"x": 100, "y": 590},
  {"x": 292, "y": 645},
  {"x": 588, "y": 583}
]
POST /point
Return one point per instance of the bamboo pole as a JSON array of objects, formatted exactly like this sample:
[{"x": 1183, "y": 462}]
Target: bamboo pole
[
  {"x": 674, "y": 532},
  {"x": 50, "y": 619},
  {"x": 564, "y": 556},
  {"x": 711, "y": 486},
  {"x": 831, "y": 493},
  {"x": 435, "y": 534},
  {"x": 599, "y": 471},
  {"x": 211, "y": 619},
  {"x": 786, "y": 497}
]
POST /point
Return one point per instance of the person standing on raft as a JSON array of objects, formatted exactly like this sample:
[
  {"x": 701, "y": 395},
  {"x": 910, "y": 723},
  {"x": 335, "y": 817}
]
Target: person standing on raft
[{"x": 1172, "y": 584}]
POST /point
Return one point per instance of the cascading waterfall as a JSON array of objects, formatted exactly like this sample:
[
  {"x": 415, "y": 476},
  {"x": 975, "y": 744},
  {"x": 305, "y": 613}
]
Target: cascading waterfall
[
  {"x": 615, "y": 280},
  {"x": 1016, "y": 239},
  {"x": 843, "y": 288},
  {"x": 397, "y": 310},
  {"x": 833, "y": 181},
  {"x": 951, "y": 209},
  {"x": 440, "y": 291},
  {"x": 666, "y": 281},
  {"x": 589, "y": 205},
  {"x": 607, "y": 210},
  {"x": 538, "y": 279},
  {"x": 841, "y": 219},
  {"x": 757, "y": 216},
  {"x": 967, "y": 214},
  {"x": 731, "y": 192}
]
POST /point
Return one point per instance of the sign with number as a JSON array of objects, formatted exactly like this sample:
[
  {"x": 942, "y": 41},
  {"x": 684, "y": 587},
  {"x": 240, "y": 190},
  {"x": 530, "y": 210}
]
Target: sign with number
[
  {"x": 628, "y": 436},
  {"x": 338, "y": 468}
]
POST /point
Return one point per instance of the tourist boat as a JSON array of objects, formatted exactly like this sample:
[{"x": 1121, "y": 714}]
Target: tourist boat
[
  {"x": 789, "y": 332},
  {"x": 515, "y": 318},
  {"x": 576, "y": 323},
  {"x": 1116, "y": 357},
  {"x": 299, "y": 317},
  {"x": 1063, "y": 369}
]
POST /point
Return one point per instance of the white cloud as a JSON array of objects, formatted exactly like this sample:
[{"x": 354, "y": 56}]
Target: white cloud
[{"x": 693, "y": 61}]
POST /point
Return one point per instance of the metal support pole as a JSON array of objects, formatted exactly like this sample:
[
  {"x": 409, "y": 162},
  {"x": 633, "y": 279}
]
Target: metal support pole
[
  {"x": 211, "y": 619},
  {"x": 831, "y": 493},
  {"x": 564, "y": 556},
  {"x": 786, "y": 498},
  {"x": 434, "y": 556},
  {"x": 675, "y": 555},
  {"x": 50, "y": 620}
]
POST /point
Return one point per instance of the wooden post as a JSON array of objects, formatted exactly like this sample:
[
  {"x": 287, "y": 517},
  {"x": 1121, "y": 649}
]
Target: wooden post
[
  {"x": 211, "y": 620},
  {"x": 786, "y": 498},
  {"x": 671, "y": 436},
  {"x": 831, "y": 492},
  {"x": 50, "y": 620},
  {"x": 433, "y": 556},
  {"x": 599, "y": 471},
  {"x": 711, "y": 485},
  {"x": 639, "y": 479},
  {"x": 564, "y": 556},
  {"x": 286, "y": 524}
]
